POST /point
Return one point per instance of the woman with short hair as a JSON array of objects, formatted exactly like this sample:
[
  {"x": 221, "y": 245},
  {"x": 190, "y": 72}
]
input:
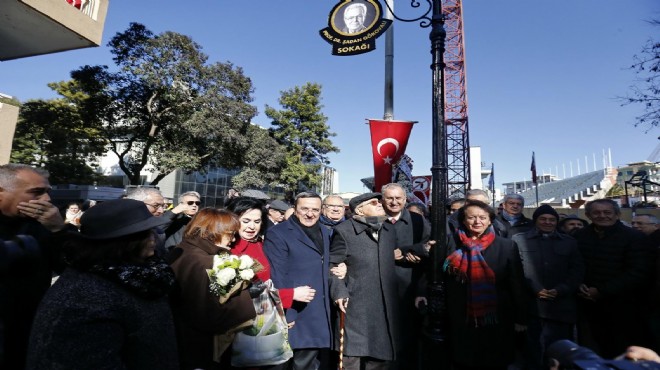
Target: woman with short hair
[
  {"x": 198, "y": 314},
  {"x": 484, "y": 292}
]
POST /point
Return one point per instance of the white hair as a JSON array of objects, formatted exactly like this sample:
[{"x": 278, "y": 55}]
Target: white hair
[{"x": 362, "y": 7}]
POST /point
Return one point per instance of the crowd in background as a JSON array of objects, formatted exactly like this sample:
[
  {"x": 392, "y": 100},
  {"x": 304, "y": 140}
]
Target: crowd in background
[{"x": 132, "y": 290}]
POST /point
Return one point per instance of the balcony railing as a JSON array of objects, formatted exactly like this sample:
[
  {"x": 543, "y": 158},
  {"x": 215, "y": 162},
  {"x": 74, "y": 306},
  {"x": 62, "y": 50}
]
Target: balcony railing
[
  {"x": 36, "y": 27},
  {"x": 88, "y": 7}
]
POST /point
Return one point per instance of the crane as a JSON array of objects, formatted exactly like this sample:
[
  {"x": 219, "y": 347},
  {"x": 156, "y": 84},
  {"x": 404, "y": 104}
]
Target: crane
[{"x": 456, "y": 107}]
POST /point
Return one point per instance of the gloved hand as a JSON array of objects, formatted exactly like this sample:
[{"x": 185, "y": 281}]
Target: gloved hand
[{"x": 256, "y": 288}]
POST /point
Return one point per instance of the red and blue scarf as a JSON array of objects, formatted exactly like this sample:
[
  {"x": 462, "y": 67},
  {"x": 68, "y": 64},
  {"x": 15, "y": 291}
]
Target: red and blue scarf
[{"x": 468, "y": 265}]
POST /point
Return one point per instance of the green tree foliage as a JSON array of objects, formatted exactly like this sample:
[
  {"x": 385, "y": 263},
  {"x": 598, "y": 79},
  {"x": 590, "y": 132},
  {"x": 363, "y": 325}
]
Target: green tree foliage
[
  {"x": 647, "y": 92},
  {"x": 166, "y": 106},
  {"x": 302, "y": 128},
  {"x": 263, "y": 160},
  {"x": 52, "y": 134}
]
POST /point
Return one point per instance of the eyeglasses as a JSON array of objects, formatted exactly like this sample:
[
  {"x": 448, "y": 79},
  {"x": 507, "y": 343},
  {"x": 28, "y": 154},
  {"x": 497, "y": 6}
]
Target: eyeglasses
[
  {"x": 306, "y": 210},
  {"x": 333, "y": 206},
  {"x": 277, "y": 210},
  {"x": 642, "y": 223},
  {"x": 372, "y": 202},
  {"x": 195, "y": 202},
  {"x": 156, "y": 206}
]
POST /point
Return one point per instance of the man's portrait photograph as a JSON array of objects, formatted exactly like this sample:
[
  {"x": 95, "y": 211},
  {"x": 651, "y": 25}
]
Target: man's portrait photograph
[{"x": 354, "y": 17}]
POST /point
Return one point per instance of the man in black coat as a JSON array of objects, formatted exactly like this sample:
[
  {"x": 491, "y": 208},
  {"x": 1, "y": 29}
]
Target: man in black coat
[
  {"x": 553, "y": 271},
  {"x": 298, "y": 251},
  {"x": 368, "y": 294},
  {"x": 412, "y": 235},
  {"x": 31, "y": 229},
  {"x": 617, "y": 283}
]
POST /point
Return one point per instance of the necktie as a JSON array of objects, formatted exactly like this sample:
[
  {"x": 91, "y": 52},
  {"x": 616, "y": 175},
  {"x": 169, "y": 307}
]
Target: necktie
[{"x": 393, "y": 220}]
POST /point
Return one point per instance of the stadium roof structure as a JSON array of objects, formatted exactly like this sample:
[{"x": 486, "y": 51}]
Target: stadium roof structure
[{"x": 572, "y": 191}]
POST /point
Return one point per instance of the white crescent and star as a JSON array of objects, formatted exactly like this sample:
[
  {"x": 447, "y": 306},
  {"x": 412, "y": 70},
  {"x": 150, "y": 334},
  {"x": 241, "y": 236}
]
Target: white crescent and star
[{"x": 388, "y": 140}]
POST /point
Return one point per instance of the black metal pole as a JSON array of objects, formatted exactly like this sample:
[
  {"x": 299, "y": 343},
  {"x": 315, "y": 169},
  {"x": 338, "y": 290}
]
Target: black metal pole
[
  {"x": 436, "y": 296},
  {"x": 435, "y": 355}
]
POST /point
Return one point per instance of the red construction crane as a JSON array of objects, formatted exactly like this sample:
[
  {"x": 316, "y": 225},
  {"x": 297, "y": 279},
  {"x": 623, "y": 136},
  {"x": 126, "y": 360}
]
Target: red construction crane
[{"x": 456, "y": 112}]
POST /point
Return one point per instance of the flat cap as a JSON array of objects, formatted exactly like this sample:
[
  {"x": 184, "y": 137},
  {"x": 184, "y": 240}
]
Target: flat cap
[
  {"x": 278, "y": 205},
  {"x": 356, "y": 201}
]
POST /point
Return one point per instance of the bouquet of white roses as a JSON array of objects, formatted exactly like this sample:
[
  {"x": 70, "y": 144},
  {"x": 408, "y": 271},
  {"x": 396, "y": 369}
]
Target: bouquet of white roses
[{"x": 230, "y": 274}]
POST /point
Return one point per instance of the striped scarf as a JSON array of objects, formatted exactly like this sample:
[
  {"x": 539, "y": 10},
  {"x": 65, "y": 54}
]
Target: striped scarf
[{"x": 468, "y": 266}]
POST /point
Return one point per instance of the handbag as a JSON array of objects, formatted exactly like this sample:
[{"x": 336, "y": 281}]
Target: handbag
[{"x": 266, "y": 341}]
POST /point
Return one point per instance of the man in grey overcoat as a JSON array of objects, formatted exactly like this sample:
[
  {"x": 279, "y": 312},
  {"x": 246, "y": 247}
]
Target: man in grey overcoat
[
  {"x": 368, "y": 294},
  {"x": 553, "y": 270}
]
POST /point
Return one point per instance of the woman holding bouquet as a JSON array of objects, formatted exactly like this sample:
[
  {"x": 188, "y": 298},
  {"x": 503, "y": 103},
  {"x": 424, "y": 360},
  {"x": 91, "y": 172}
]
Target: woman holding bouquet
[
  {"x": 198, "y": 314},
  {"x": 252, "y": 217}
]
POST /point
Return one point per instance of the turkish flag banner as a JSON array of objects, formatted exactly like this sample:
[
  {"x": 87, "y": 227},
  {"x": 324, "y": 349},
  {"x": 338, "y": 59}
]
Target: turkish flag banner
[{"x": 388, "y": 143}]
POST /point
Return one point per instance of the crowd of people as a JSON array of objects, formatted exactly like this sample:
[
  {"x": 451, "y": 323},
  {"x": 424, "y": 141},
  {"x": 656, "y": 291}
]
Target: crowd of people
[{"x": 132, "y": 288}]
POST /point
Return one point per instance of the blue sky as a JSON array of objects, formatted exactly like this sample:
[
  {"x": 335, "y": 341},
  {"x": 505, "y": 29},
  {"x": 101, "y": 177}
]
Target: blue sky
[{"x": 542, "y": 76}]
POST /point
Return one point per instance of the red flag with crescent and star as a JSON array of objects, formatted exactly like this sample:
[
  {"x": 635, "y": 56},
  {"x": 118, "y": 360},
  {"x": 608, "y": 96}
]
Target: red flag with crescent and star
[{"x": 388, "y": 143}]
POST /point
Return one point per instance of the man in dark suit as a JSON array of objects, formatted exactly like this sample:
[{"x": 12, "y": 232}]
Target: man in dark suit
[
  {"x": 366, "y": 244},
  {"x": 617, "y": 284},
  {"x": 412, "y": 235},
  {"x": 298, "y": 252}
]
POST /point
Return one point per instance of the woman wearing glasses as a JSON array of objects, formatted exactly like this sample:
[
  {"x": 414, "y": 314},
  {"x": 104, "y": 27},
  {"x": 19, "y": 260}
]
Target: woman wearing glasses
[{"x": 198, "y": 314}]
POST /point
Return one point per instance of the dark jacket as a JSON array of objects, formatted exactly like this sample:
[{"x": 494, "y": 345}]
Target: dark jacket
[
  {"x": 372, "y": 316},
  {"x": 551, "y": 262},
  {"x": 412, "y": 232},
  {"x": 88, "y": 322},
  {"x": 29, "y": 254},
  {"x": 296, "y": 261},
  {"x": 522, "y": 225},
  {"x": 619, "y": 263},
  {"x": 198, "y": 315},
  {"x": 490, "y": 345},
  {"x": 174, "y": 231}
]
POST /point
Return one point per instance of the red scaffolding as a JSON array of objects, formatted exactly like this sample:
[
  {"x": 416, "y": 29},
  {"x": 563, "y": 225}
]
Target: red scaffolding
[{"x": 456, "y": 112}]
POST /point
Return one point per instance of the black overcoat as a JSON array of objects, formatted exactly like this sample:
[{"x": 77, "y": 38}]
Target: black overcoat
[
  {"x": 490, "y": 345},
  {"x": 296, "y": 261},
  {"x": 371, "y": 327},
  {"x": 551, "y": 261}
]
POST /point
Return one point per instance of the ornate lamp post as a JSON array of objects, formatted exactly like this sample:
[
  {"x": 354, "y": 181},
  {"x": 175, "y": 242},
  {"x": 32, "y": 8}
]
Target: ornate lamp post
[
  {"x": 434, "y": 330},
  {"x": 433, "y": 18}
]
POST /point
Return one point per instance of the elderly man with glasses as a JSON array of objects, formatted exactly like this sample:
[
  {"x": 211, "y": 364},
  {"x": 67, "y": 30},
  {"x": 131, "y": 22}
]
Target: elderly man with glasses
[
  {"x": 298, "y": 251},
  {"x": 367, "y": 243},
  {"x": 333, "y": 212}
]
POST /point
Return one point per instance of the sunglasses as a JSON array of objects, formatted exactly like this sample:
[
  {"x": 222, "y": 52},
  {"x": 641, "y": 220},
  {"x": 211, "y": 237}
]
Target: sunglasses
[{"x": 191, "y": 202}]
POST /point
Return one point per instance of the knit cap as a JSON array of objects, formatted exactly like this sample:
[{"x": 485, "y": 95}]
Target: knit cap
[{"x": 545, "y": 209}]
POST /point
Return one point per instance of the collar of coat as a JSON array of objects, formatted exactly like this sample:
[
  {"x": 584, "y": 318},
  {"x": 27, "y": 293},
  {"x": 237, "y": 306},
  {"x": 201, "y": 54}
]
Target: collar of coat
[{"x": 203, "y": 244}]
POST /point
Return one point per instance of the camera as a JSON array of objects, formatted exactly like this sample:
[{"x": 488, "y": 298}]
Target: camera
[{"x": 571, "y": 356}]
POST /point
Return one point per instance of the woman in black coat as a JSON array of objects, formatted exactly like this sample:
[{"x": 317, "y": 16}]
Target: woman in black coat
[
  {"x": 109, "y": 309},
  {"x": 485, "y": 294}
]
